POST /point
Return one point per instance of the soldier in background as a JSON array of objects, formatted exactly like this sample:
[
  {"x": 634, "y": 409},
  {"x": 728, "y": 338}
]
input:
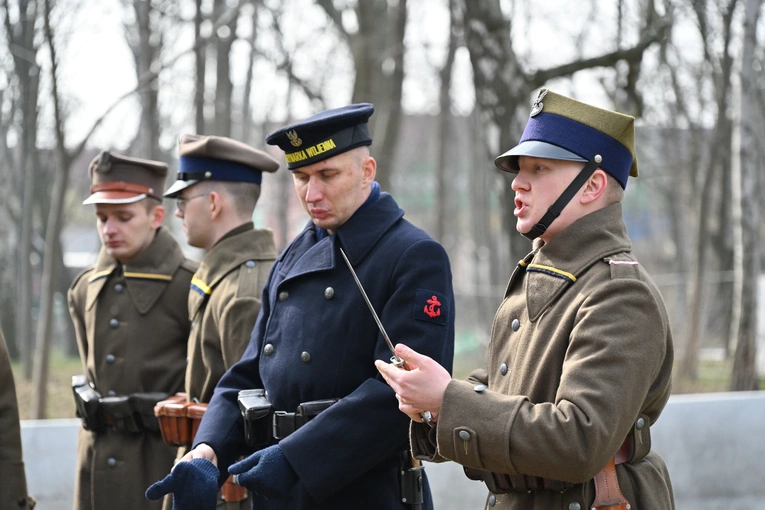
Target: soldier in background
[
  {"x": 339, "y": 441},
  {"x": 579, "y": 366},
  {"x": 131, "y": 320},
  {"x": 217, "y": 189},
  {"x": 13, "y": 483}
]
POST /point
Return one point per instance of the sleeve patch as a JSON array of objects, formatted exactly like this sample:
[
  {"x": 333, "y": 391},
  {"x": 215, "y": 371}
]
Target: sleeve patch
[{"x": 431, "y": 306}]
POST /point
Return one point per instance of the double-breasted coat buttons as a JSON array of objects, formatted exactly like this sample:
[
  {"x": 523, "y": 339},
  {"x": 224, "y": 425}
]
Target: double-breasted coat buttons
[
  {"x": 112, "y": 462},
  {"x": 114, "y": 323},
  {"x": 110, "y": 359}
]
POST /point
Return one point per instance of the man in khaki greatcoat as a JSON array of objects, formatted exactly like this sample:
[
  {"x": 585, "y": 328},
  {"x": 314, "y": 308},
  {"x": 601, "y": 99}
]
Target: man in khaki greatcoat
[
  {"x": 217, "y": 189},
  {"x": 580, "y": 360},
  {"x": 130, "y": 315},
  {"x": 13, "y": 483}
]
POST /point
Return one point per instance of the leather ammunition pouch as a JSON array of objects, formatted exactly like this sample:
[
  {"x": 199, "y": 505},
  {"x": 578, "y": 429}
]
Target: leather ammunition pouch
[
  {"x": 173, "y": 423},
  {"x": 285, "y": 423},
  {"x": 257, "y": 412},
  {"x": 86, "y": 400},
  {"x": 130, "y": 414},
  {"x": 231, "y": 492},
  {"x": 411, "y": 481}
]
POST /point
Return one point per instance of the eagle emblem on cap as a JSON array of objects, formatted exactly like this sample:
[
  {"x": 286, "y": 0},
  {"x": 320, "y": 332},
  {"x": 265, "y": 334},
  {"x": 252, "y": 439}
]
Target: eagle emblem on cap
[
  {"x": 537, "y": 105},
  {"x": 294, "y": 140}
]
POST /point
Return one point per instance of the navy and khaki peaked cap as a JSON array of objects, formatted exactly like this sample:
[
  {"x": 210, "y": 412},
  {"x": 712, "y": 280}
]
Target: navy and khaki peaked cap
[
  {"x": 217, "y": 158},
  {"x": 326, "y": 134},
  {"x": 118, "y": 179},
  {"x": 562, "y": 128}
]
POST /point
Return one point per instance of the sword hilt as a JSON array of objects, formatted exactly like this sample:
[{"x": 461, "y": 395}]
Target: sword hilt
[{"x": 427, "y": 416}]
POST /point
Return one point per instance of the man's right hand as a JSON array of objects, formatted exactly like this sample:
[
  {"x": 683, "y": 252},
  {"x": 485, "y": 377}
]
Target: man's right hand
[{"x": 193, "y": 483}]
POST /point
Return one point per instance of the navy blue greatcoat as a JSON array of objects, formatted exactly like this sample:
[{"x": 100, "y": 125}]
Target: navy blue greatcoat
[{"x": 323, "y": 342}]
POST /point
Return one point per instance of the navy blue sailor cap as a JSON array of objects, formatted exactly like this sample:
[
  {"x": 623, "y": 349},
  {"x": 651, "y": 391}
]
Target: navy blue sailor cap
[
  {"x": 323, "y": 135},
  {"x": 217, "y": 158}
]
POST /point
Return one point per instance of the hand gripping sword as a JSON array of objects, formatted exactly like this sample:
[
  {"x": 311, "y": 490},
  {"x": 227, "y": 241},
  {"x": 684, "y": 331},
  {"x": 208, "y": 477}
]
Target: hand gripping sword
[{"x": 427, "y": 417}]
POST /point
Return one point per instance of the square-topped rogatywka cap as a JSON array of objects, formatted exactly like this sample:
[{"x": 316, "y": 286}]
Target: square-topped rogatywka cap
[{"x": 563, "y": 128}]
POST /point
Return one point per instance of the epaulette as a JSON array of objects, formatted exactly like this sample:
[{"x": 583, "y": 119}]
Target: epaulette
[{"x": 623, "y": 265}]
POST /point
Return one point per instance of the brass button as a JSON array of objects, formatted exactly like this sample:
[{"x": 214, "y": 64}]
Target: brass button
[
  {"x": 480, "y": 388},
  {"x": 464, "y": 435},
  {"x": 305, "y": 357},
  {"x": 516, "y": 324},
  {"x": 492, "y": 500},
  {"x": 329, "y": 293},
  {"x": 250, "y": 264},
  {"x": 118, "y": 287},
  {"x": 283, "y": 295},
  {"x": 110, "y": 359},
  {"x": 268, "y": 349},
  {"x": 114, "y": 323},
  {"x": 112, "y": 462}
]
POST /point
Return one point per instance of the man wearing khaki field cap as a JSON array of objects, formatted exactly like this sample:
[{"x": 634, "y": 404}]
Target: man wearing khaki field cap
[
  {"x": 217, "y": 189},
  {"x": 579, "y": 366},
  {"x": 130, "y": 316}
]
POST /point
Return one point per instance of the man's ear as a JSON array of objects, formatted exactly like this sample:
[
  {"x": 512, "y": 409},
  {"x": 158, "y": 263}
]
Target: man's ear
[
  {"x": 157, "y": 216},
  {"x": 215, "y": 204},
  {"x": 369, "y": 170},
  {"x": 595, "y": 187}
]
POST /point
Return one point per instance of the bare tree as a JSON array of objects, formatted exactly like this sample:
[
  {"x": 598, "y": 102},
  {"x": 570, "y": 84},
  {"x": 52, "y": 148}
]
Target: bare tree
[
  {"x": 378, "y": 56},
  {"x": 503, "y": 83},
  {"x": 747, "y": 202},
  {"x": 23, "y": 48}
]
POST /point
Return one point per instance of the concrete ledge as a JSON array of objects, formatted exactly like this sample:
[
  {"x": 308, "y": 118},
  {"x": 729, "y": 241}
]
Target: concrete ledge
[{"x": 712, "y": 443}]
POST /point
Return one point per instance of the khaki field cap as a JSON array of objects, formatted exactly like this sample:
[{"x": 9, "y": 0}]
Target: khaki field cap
[
  {"x": 217, "y": 158},
  {"x": 562, "y": 128},
  {"x": 118, "y": 179}
]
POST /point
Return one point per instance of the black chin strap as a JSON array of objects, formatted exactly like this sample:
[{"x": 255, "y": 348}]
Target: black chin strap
[{"x": 565, "y": 197}]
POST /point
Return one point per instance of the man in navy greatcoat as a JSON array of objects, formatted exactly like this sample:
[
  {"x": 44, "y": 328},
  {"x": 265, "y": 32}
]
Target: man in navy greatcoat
[{"x": 315, "y": 339}]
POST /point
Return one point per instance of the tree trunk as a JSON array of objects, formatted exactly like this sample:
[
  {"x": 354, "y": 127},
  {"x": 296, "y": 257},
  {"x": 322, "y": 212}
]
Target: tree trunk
[
  {"x": 223, "y": 86},
  {"x": 747, "y": 189},
  {"x": 145, "y": 52},
  {"x": 52, "y": 237},
  {"x": 200, "y": 51},
  {"x": 444, "y": 122}
]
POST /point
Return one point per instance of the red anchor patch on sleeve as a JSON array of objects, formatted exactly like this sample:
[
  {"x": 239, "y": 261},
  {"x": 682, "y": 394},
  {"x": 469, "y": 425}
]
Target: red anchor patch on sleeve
[{"x": 431, "y": 306}]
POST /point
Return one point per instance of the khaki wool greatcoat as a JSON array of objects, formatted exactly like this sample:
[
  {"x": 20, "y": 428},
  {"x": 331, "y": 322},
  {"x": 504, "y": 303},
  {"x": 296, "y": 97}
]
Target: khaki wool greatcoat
[
  {"x": 132, "y": 328},
  {"x": 223, "y": 306},
  {"x": 13, "y": 484},
  {"x": 580, "y": 350}
]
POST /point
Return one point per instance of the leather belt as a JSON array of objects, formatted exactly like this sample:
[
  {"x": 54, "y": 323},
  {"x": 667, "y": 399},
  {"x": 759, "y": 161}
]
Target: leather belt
[
  {"x": 501, "y": 483},
  {"x": 285, "y": 423}
]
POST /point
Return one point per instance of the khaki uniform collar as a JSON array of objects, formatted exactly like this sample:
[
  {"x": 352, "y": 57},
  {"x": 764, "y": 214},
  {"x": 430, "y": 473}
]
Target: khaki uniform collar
[
  {"x": 157, "y": 263},
  {"x": 556, "y": 265},
  {"x": 232, "y": 250}
]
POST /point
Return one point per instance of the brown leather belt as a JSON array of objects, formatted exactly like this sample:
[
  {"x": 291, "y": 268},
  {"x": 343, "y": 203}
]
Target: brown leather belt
[{"x": 501, "y": 483}]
